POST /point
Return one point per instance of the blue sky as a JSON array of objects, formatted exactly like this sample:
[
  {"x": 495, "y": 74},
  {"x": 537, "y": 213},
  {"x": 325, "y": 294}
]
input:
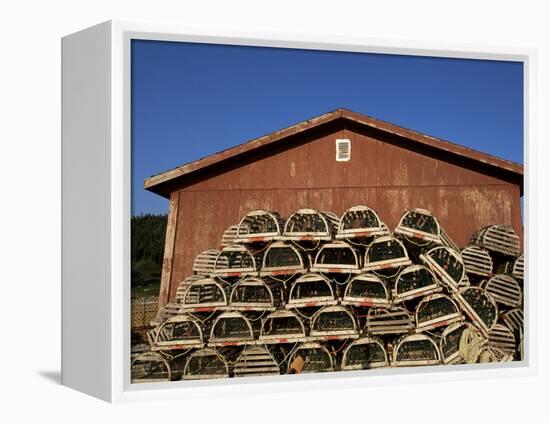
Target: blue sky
[{"x": 191, "y": 100}]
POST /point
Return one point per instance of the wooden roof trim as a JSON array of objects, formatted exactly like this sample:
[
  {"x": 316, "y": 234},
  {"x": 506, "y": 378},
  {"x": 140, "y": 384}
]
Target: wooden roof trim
[
  {"x": 434, "y": 142},
  {"x": 153, "y": 183},
  {"x": 240, "y": 149}
]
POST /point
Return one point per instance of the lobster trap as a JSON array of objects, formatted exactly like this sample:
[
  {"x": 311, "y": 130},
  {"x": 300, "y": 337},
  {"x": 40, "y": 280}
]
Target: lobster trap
[
  {"x": 205, "y": 295},
  {"x": 334, "y": 322},
  {"x": 517, "y": 270},
  {"x": 255, "y": 294},
  {"x": 179, "y": 332},
  {"x": 505, "y": 290},
  {"x": 365, "y": 353},
  {"x": 383, "y": 321},
  {"x": 386, "y": 253},
  {"x": 310, "y": 357},
  {"x": 498, "y": 238},
  {"x": 419, "y": 227},
  {"x": 477, "y": 261},
  {"x": 233, "y": 328},
  {"x": 260, "y": 226},
  {"x": 205, "y": 262},
  {"x": 205, "y": 363},
  {"x": 479, "y": 306},
  {"x": 461, "y": 342},
  {"x": 413, "y": 282},
  {"x": 235, "y": 261},
  {"x": 416, "y": 350},
  {"x": 435, "y": 311},
  {"x": 256, "y": 361},
  {"x": 360, "y": 222},
  {"x": 281, "y": 327},
  {"x": 447, "y": 264},
  {"x": 514, "y": 320},
  {"x": 366, "y": 290},
  {"x": 310, "y": 225},
  {"x": 282, "y": 259},
  {"x": 175, "y": 308},
  {"x": 150, "y": 367},
  {"x": 229, "y": 236},
  {"x": 503, "y": 339},
  {"x": 311, "y": 290},
  {"x": 337, "y": 257}
]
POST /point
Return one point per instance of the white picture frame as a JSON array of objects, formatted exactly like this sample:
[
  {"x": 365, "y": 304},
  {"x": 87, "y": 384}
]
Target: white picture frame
[{"x": 96, "y": 226}]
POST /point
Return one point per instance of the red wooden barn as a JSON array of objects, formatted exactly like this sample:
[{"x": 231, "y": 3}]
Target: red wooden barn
[{"x": 384, "y": 166}]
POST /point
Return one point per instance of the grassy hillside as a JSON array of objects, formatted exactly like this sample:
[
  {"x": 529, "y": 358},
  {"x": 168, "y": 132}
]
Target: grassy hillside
[{"x": 148, "y": 232}]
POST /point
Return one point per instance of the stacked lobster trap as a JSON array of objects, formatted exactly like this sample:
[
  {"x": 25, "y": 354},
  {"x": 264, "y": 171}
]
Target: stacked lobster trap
[{"x": 319, "y": 293}]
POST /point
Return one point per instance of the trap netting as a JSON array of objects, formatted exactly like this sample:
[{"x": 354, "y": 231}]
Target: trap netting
[
  {"x": 150, "y": 367},
  {"x": 366, "y": 290},
  {"x": 447, "y": 264},
  {"x": 436, "y": 311},
  {"x": 178, "y": 332},
  {"x": 309, "y": 224},
  {"x": 360, "y": 222},
  {"x": 416, "y": 350},
  {"x": 310, "y": 357},
  {"x": 205, "y": 293},
  {"x": 282, "y": 326},
  {"x": 311, "y": 290},
  {"x": 337, "y": 257},
  {"x": 205, "y": 363},
  {"x": 365, "y": 353},
  {"x": 419, "y": 226},
  {"x": 415, "y": 281},
  {"x": 260, "y": 226},
  {"x": 386, "y": 253},
  {"x": 334, "y": 320},
  {"x": 282, "y": 259},
  {"x": 233, "y": 327},
  {"x": 235, "y": 260},
  {"x": 255, "y": 294},
  {"x": 479, "y": 306}
]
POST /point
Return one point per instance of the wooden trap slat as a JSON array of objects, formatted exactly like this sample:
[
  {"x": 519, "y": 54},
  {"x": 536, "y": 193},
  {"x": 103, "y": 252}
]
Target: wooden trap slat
[
  {"x": 502, "y": 338},
  {"x": 477, "y": 261},
  {"x": 381, "y": 321},
  {"x": 505, "y": 290}
]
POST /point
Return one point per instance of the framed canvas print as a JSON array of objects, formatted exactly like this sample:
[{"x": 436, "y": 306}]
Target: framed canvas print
[{"x": 260, "y": 212}]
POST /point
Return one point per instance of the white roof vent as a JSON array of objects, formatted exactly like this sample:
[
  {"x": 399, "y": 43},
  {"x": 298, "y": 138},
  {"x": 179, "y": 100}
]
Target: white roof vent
[{"x": 343, "y": 150}]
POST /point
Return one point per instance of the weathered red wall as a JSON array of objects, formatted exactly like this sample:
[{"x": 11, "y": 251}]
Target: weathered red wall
[{"x": 386, "y": 176}]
